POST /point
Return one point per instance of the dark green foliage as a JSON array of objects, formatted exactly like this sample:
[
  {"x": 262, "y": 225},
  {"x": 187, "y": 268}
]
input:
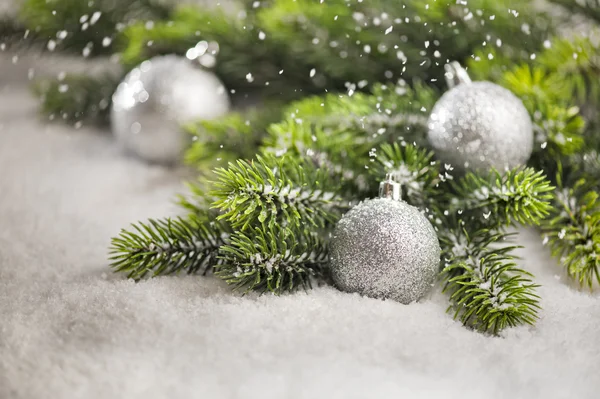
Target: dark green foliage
[
  {"x": 274, "y": 259},
  {"x": 46, "y": 18},
  {"x": 169, "y": 246},
  {"x": 340, "y": 151},
  {"x": 78, "y": 97},
  {"x": 340, "y": 42}
]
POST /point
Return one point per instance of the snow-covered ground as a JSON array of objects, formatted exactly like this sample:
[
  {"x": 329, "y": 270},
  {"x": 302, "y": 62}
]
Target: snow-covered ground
[{"x": 69, "y": 328}]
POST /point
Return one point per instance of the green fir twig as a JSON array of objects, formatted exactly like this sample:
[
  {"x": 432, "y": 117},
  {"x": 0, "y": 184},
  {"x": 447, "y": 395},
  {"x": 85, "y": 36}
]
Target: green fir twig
[
  {"x": 274, "y": 259},
  {"x": 272, "y": 191},
  {"x": 487, "y": 290},
  {"x": 519, "y": 196},
  {"x": 169, "y": 246}
]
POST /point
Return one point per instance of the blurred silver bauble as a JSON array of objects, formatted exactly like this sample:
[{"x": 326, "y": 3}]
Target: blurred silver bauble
[
  {"x": 155, "y": 98},
  {"x": 479, "y": 125},
  {"x": 385, "y": 248}
]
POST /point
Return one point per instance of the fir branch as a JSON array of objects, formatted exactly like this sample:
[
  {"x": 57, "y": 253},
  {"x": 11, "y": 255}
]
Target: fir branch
[
  {"x": 558, "y": 127},
  {"x": 517, "y": 196},
  {"x": 169, "y": 246},
  {"x": 367, "y": 42},
  {"x": 338, "y": 132},
  {"x": 91, "y": 27},
  {"x": 287, "y": 47},
  {"x": 275, "y": 259},
  {"x": 383, "y": 115},
  {"x": 78, "y": 97},
  {"x": 534, "y": 85},
  {"x": 577, "y": 62},
  {"x": 565, "y": 68},
  {"x": 573, "y": 232},
  {"x": 270, "y": 191},
  {"x": 340, "y": 151},
  {"x": 237, "y": 135},
  {"x": 487, "y": 290},
  {"x": 558, "y": 130}
]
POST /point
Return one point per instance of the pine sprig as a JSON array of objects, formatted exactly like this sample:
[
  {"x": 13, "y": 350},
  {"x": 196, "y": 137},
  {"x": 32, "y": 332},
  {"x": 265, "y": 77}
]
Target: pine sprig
[
  {"x": 169, "y": 246},
  {"x": 275, "y": 259},
  {"x": 573, "y": 232},
  {"x": 517, "y": 196},
  {"x": 487, "y": 290},
  {"x": 271, "y": 191}
]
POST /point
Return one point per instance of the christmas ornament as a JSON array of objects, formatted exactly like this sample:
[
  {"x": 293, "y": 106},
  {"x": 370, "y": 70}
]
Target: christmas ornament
[
  {"x": 479, "y": 125},
  {"x": 158, "y": 96},
  {"x": 385, "y": 248}
]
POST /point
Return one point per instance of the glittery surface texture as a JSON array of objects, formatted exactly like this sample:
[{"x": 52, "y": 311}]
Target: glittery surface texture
[
  {"x": 385, "y": 249},
  {"x": 158, "y": 96},
  {"x": 479, "y": 125}
]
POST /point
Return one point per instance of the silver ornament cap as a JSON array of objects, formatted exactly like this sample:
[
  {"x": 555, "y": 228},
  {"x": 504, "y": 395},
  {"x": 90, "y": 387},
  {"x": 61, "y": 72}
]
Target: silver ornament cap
[
  {"x": 156, "y": 98},
  {"x": 389, "y": 188},
  {"x": 479, "y": 125},
  {"x": 385, "y": 248}
]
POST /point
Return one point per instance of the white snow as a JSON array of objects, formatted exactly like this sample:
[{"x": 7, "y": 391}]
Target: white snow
[{"x": 69, "y": 328}]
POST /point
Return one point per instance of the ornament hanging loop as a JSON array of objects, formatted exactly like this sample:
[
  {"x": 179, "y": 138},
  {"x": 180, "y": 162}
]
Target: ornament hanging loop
[
  {"x": 389, "y": 188},
  {"x": 456, "y": 74}
]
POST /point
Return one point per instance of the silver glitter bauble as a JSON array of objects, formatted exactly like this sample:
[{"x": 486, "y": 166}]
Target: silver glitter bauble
[
  {"x": 385, "y": 248},
  {"x": 479, "y": 125},
  {"x": 158, "y": 96}
]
